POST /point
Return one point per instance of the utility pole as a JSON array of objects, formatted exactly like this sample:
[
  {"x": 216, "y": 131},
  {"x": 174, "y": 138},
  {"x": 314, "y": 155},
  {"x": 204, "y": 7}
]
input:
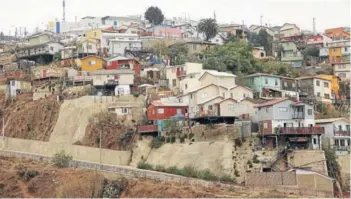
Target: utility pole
[
  {"x": 64, "y": 11},
  {"x": 314, "y": 26},
  {"x": 261, "y": 20}
]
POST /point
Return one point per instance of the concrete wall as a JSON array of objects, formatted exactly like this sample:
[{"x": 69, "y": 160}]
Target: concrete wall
[
  {"x": 314, "y": 160},
  {"x": 270, "y": 178},
  {"x": 78, "y": 152},
  {"x": 315, "y": 182}
]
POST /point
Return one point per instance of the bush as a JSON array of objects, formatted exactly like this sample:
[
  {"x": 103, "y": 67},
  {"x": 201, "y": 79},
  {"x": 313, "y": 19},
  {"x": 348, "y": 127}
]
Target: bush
[
  {"x": 236, "y": 173},
  {"x": 226, "y": 178},
  {"x": 97, "y": 139},
  {"x": 144, "y": 165},
  {"x": 136, "y": 94},
  {"x": 168, "y": 139},
  {"x": 115, "y": 189},
  {"x": 61, "y": 160},
  {"x": 173, "y": 139},
  {"x": 173, "y": 170},
  {"x": 160, "y": 168},
  {"x": 207, "y": 175},
  {"x": 255, "y": 160},
  {"x": 238, "y": 142},
  {"x": 249, "y": 163},
  {"x": 189, "y": 171},
  {"x": 156, "y": 143},
  {"x": 191, "y": 135}
]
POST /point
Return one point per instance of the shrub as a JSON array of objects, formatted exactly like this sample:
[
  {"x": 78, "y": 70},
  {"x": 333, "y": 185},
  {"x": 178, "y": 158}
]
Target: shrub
[
  {"x": 160, "y": 168},
  {"x": 238, "y": 142},
  {"x": 207, "y": 175},
  {"x": 226, "y": 178},
  {"x": 61, "y": 160},
  {"x": 191, "y": 135},
  {"x": 144, "y": 165},
  {"x": 97, "y": 139},
  {"x": 173, "y": 139},
  {"x": 156, "y": 143},
  {"x": 115, "y": 189},
  {"x": 136, "y": 94},
  {"x": 173, "y": 170},
  {"x": 168, "y": 139},
  {"x": 236, "y": 173},
  {"x": 255, "y": 160},
  {"x": 189, "y": 171}
]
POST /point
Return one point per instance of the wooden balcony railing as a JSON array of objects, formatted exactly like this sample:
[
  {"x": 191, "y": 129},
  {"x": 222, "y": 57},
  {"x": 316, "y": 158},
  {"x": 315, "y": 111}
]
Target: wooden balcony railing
[
  {"x": 342, "y": 133},
  {"x": 300, "y": 130}
]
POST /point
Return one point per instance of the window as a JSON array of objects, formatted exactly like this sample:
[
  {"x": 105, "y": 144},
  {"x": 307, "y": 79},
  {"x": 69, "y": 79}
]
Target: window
[
  {"x": 342, "y": 75},
  {"x": 293, "y": 85},
  {"x": 179, "y": 111},
  {"x": 347, "y": 127},
  {"x": 160, "y": 111},
  {"x": 210, "y": 107},
  {"x": 336, "y": 142},
  {"x": 265, "y": 125},
  {"x": 346, "y": 49},
  {"x": 51, "y": 48},
  {"x": 91, "y": 62},
  {"x": 244, "y": 95},
  {"x": 266, "y": 81},
  {"x": 326, "y": 84},
  {"x": 314, "y": 141},
  {"x": 326, "y": 96},
  {"x": 283, "y": 109},
  {"x": 231, "y": 95},
  {"x": 174, "y": 82},
  {"x": 340, "y": 128},
  {"x": 317, "y": 83},
  {"x": 276, "y": 82},
  {"x": 231, "y": 107},
  {"x": 318, "y": 94},
  {"x": 90, "y": 47},
  {"x": 267, "y": 110},
  {"x": 186, "y": 86},
  {"x": 194, "y": 46},
  {"x": 309, "y": 112},
  {"x": 124, "y": 110},
  {"x": 342, "y": 142},
  {"x": 348, "y": 142}
]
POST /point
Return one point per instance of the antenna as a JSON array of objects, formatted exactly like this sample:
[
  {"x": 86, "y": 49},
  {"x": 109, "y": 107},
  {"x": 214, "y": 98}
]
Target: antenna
[
  {"x": 261, "y": 17},
  {"x": 64, "y": 10},
  {"x": 314, "y": 25}
]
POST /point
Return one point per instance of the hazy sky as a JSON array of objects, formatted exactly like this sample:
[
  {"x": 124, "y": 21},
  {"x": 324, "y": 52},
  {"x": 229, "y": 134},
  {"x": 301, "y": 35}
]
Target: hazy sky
[{"x": 33, "y": 13}]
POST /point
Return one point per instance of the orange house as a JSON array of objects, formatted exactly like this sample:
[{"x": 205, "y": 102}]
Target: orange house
[
  {"x": 334, "y": 83},
  {"x": 337, "y": 33},
  {"x": 92, "y": 63}
]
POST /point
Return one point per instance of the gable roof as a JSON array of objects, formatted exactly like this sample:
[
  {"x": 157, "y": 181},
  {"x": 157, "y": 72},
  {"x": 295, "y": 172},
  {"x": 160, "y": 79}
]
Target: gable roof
[
  {"x": 216, "y": 74},
  {"x": 204, "y": 102},
  {"x": 200, "y": 88},
  {"x": 231, "y": 99},
  {"x": 247, "y": 88},
  {"x": 271, "y": 102},
  {"x": 269, "y": 75},
  {"x": 254, "y": 101},
  {"x": 331, "y": 120}
]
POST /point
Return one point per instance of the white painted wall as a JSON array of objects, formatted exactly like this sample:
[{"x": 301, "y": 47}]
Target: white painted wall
[{"x": 322, "y": 89}]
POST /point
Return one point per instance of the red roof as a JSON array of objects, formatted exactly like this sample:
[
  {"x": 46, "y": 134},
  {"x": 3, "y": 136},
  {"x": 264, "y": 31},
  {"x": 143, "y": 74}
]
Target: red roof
[{"x": 271, "y": 102}]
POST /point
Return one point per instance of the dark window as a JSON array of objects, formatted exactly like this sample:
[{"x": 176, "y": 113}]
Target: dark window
[
  {"x": 309, "y": 111},
  {"x": 314, "y": 141},
  {"x": 209, "y": 107},
  {"x": 174, "y": 82},
  {"x": 342, "y": 142},
  {"x": 326, "y": 84},
  {"x": 318, "y": 83},
  {"x": 336, "y": 142},
  {"x": 266, "y": 81},
  {"x": 340, "y": 128},
  {"x": 276, "y": 82}
]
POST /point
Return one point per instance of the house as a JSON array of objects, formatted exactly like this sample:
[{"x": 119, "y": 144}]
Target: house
[
  {"x": 288, "y": 30},
  {"x": 92, "y": 63},
  {"x": 315, "y": 89},
  {"x": 158, "y": 110},
  {"x": 259, "y": 52},
  {"x": 113, "y": 82},
  {"x": 69, "y": 52},
  {"x": 324, "y": 54},
  {"x": 121, "y": 62},
  {"x": 88, "y": 47},
  {"x": 334, "y": 84},
  {"x": 283, "y": 122},
  {"x": 195, "y": 47},
  {"x": 235, "y": 30},
  {"x": 240, "y": 92},
  {"x": 340, "y": 33},
  {"x": 15, "y": 87},
  {"x": 6, "y": 60},
  {"x": 268, "y": 86},
  {"x": 256, "y": 29},
  {"x": 218, "y": 39},
  {"x": 343, "y": 71},
  {"x": 291, "y": 54},
  {"x": 337, "y": 133},
  {"x": 135, "y": 29},
  {"x": 339, "y": 51},
  {"x": 42, "y": 53},
  {"x": 122, "y": 42},
  {"x": 122, "y": 112},
  {"x": 319, "y": 40},
  {"x": 117, "y": 21},
  {"x": 214, "y": 77},
  {"x": 166, "y": 32}
]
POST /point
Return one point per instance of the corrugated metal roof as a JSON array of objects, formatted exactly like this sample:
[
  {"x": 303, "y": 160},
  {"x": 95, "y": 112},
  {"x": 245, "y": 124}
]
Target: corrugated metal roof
[{"x": 169, "y": 104}]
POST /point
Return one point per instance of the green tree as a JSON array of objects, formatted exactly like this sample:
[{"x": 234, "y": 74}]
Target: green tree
[
  {"x": 252, "y": 37},
  {"x": 179, "y": 54},
  {"x": 235, "y": 56},
  {"x": 265, "y": 40},
  {"x": 310, "y": 51},
  {"x": 154, "y": 15},
  {"x": 209, "y": 27}
]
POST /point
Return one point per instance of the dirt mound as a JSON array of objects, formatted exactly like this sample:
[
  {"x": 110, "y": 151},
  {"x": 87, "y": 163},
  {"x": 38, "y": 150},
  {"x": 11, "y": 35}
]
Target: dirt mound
[
  {"x": 32, "y": 120},
  {"x": 115, "y": 136}
]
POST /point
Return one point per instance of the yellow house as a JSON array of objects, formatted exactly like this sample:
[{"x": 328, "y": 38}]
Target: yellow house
[
  {"x": 94, "y": 34},
  {"x": 334, "y": 83},
  {"x": 92, "y": 63}
]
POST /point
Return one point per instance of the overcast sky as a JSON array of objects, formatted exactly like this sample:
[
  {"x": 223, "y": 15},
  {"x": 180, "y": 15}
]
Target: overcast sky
[{"x": 33, "y": 13}]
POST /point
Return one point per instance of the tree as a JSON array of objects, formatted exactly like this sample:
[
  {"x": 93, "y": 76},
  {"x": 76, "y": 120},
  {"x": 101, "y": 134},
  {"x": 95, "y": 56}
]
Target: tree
[
  {"x": 265, "y": 40},
  {"x": 209, "y": 27},
  {"x": 154, "y": 15},
  {"x": 310, "y": 51}
]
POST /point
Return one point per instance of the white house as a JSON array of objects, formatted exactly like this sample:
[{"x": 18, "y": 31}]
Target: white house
[
  {"x": 316, "y": 87},
  {"x": 121, "y": 42},
  {"x": 220, "y": 78},
  {"x": 68, "y": 52},
  {"x": 343, "y": 70},
  {"x": 337, "y": 133},
  {"x": 112, "y": 77},
  {"x": 88, "y": 47}
]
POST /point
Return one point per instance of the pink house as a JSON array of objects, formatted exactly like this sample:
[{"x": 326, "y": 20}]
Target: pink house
[{"x": 166, "y": 31}]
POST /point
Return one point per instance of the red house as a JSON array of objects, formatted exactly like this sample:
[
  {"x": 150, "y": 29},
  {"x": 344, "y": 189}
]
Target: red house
[
  {"x": 123, "y": 62},
  {"x": 165, "y": 110}
]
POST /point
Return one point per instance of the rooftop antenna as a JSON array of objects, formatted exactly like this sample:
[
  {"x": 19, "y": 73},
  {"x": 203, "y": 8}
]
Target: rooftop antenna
[
  {"x": 64, "y": 10},
  {"x": 314, "y": 25},
  {"x": 261, "y": 20}
]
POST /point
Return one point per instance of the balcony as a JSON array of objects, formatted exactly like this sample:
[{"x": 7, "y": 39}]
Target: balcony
[
  {"x": 300, "y": 130},
  {"x": 298, "y": 115},
  {"x": 342, "y": 133}
]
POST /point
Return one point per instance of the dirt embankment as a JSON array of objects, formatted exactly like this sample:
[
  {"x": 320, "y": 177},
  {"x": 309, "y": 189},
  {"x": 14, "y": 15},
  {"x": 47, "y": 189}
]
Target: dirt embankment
[
  {"x": 28, "y": 179},
  {"x": 29, "y": 119},
  {"x": 115, "y": 135}
]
